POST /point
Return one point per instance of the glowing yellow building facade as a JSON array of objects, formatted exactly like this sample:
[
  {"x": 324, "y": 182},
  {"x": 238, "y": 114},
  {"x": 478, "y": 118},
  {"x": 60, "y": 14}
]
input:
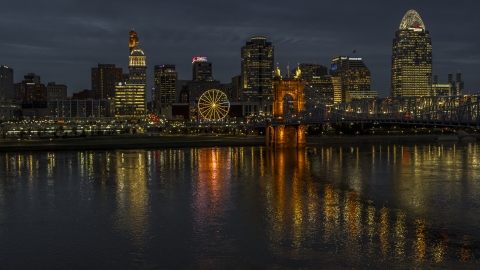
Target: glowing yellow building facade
[
  {"x": 256, "y": 76},
  {"x": 348, "y": 74},
  {"x": 411, "y": 58},
  {"x": 130, "y": 100}
]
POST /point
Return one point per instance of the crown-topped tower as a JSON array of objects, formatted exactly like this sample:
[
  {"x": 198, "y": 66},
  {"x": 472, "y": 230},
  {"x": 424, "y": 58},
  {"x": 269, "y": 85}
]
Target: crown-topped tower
[
  {"x": 412, "y": 20},
  {"x": 137, "y": 65},
  {"x": 130, "y": 98},
  {"x": 411, "y": 58}
]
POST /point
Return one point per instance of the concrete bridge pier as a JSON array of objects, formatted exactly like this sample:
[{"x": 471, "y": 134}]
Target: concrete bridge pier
[{"x": 286, "y": 136}]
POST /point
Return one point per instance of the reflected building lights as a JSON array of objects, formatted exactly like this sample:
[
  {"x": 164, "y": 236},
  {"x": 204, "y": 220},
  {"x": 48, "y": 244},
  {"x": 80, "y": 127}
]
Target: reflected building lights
[
  {"x": 384, "y": 231},
  {"x": 325, "y": 194},
  {"x": 400, "y": 231},
  {"x": 419, "y": 244},
  {"x": 132, "y": 197}
]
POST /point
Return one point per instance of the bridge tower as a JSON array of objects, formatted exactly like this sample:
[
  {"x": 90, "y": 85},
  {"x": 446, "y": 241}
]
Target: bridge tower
[{"x": 281, "y": 134}]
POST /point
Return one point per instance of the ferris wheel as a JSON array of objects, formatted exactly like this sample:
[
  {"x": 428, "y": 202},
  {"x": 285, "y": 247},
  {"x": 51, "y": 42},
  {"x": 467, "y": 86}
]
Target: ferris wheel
[{"x": 213, "y": 105}]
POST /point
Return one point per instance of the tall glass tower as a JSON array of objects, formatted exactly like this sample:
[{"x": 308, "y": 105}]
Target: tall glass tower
[
  {"x": 411, "y": 58},
  {"x": 257, "y": 74}
]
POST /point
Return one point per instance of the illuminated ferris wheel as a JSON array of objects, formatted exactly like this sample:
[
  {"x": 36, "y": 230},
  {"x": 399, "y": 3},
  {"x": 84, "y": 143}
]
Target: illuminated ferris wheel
[{"x": 213, "y": 105}]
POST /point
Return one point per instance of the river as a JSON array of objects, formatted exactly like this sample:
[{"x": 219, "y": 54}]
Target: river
[{"x": 332, "y": 207}]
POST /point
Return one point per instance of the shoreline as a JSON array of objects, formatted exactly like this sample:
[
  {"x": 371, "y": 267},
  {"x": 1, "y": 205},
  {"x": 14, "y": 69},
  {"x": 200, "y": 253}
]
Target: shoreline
[{"x": 187, "y": 141}]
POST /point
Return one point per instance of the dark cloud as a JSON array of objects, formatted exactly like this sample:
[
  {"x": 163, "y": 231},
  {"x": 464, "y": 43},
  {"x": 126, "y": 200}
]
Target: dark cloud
[{"x": 61, "y": 40}]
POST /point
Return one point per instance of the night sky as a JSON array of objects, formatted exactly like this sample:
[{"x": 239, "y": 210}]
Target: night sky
[{"x": 62, "y": 40}]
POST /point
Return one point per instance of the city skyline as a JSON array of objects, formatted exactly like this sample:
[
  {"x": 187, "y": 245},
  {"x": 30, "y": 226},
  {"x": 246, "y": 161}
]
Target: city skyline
[{"x": 64, "y": 48}]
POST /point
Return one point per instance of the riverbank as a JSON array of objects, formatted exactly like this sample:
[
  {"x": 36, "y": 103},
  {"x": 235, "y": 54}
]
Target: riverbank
[
  {"x": 312, "y": 141},
  {"x": 184, "y": 141},
  {"x": 128, "y": 142}
]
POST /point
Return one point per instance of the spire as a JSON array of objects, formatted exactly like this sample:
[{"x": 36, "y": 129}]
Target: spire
[{"x": 133, "y": 39}]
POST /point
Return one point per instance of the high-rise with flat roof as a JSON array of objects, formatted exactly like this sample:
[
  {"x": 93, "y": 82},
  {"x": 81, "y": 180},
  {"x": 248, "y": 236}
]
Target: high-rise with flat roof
[
  {"x": 103, "y": 80},
  {"x": 6, "y": 83},
  {"x": 411, "y": 73},
  {"x": 6, "y": 91},
  {"x": 257, "y": 66},
  {"x": 30, "y": 92},
  {"x": 165, "y": 85},
  {"x": 353, "y": 73},
  {"x": 56, "y": 92},
  {"x": 201, "y": 69}
]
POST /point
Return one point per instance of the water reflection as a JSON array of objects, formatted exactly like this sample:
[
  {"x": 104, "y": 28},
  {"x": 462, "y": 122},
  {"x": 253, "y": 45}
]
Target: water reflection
[
  {"x": 372, "y": 206},
  {"x": 131, "y": 192}
]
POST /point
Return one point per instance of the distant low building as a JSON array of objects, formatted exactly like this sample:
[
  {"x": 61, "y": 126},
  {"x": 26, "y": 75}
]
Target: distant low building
[
  {"x": 30, "y": 92},
  {"x": 71, "y": 108},
  {"x": 85, "y": 94},
  {"x": 358, "y": 95},
  {"x": 441, "y": 89},
  {"x": 56, "y": 92}
]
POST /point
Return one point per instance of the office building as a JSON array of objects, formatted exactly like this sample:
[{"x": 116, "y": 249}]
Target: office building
[
  {"x": 30, "y": 92},
  {"x": 6, "y": 92},
  {"x": 202, "y": 80},
  {"x": 441, "y": 89},
  {"x": 56, "y": 92},
  {"x": 80, "y": 108},
  {"x": 320, "y": 90},
  {"x": 308, "y": 71},
  {"x": 130, "y": 97},
  {"x": 458, "y": 85},
  {"x": 201, "y": 69},
  {"x": 257, "y": 66},
  {"x": 411, "y": 73},
  {"x": 358, "y": 95},
  {"x": 236, "y": 95},
  {"x": 6, "y": 83},
  {"x": 451, "y": 88},
  {"x": 103, "y": 80},
  {"x": 353, "y": 73},
  {"x": 85, "y": 94},
  {"x": 165, "y": 86}
]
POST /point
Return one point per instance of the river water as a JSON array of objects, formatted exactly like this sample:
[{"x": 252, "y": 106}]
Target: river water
[{"x": 332, "y": 207}]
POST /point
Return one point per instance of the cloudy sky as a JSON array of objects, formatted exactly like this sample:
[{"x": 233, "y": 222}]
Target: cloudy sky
[{"x": 61, "y": 40}]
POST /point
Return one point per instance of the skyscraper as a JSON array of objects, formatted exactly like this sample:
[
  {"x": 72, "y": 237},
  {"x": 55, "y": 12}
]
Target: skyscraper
[
  {"x": 353, "y": 73},
  {"x": 257, "y": 67},
  {"x": 6, "y": 83},
  {"x": 411, "y": 58},
  {"x": 6, "y": 90},
  {"x": 165, "y": 85},
  {"x": 103, "y": 80},
  {"x": 130, "y": 101},
  {"x": 201, "y": 69}
]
